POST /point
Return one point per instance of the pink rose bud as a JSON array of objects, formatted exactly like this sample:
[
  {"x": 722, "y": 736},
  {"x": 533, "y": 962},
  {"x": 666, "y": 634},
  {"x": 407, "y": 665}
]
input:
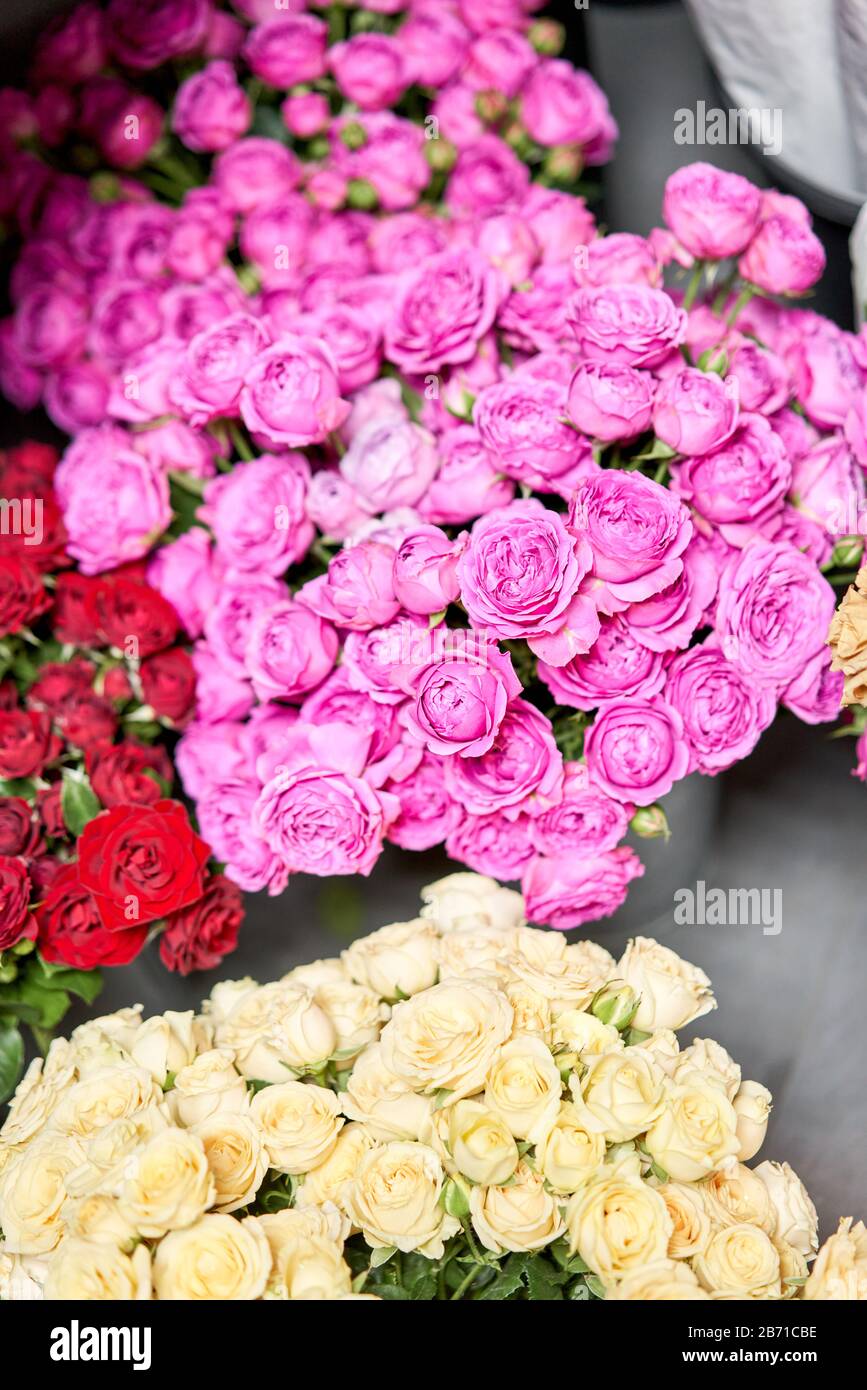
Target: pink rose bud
[
  {"x": 369, "y": 70},
  {"x": 784, "y": 257},
  {"x": 306, "y": 114},
  {"x": 610, "y": 402},
  {"x": 211, "y": 110},
  {"x": 712, "y": 213},
  {"x": 425, "y": 578},
  {"x": 695, "y": 411}
]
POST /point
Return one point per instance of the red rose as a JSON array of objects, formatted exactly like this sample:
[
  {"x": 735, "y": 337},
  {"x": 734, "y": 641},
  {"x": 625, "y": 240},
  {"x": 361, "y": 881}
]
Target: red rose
[
  {"x": 28, "y": 467},
  {"x": 50, "y": 813},
  {"x": 86, "y": 718},
  {"x": 43, "y": 544},
  {"x": 129, "y": 610},
  {"x": 16, "y": 921},
  {"x": 43, "y": 872},
  {"x": 8, "y": 695},
  {"x": 70, "y": 930},
  {"x": 197, "y": 937},
  {"x": 26, "y": 742},
  {"x": 168, "y": 683},
  {"x": 121, "y": 773},
  {"x": 74, "y": 611},
  {"x": 116, "y": 686},
  {"x": 58, "y": 681},
  {"x": 141, "y": 863},
  {"x": 23, "y": 596},
  {"x": 20, "y": 833}
]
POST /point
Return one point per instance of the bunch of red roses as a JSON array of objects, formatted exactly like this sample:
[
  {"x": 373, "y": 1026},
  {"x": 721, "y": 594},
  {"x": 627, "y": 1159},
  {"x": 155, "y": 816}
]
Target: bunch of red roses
[{"x": 94, "y": 854}]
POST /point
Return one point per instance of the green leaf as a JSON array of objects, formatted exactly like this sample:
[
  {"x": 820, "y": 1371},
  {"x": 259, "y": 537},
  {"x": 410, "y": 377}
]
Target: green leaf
[
  {"x": 509, "y": 1280},
  {"x": 543, "y": 1280},
  {"x": 595, "y": 1285},
  {"x": 381, "y": 1255},
  {"x": 79, "y": 803},
  {"x": 86, "y": 984},
  {"x": 18, "y": 786},
  {"x": 11, "y": 1059},
  {"x": 442, "y": 1096}
]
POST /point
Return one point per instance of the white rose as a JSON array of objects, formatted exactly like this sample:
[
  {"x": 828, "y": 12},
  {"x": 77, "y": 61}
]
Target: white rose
[
  {"x": 225, "y": 997},
  {"x": 664, "y": 1048},
  {"x": 32, "y": 1193},
  {"x": 383, "y": 1102},
  {"x": 95, "y": 1271},
  {"x": 328, "y": 971},
  {"x": 169, "y": 1184},
  {"x": 617, "y": 1223},
  {"x": 396, "y": 961},
  {"x": 465, "y": 953},
  {"x": 840, "y": 1271},
  {"x": 740, "y": 1260},
  {"x": 621, "y": 1093},
  {"x": 106, "y": 1154},
  {"x": 524, "y": 1087},
  {"x": 597, "y": 964},
  {"x": 446, "y": 1037},
  {"x": 299, "y": 1124},
  {"x": 522, "y": 1216},
  {"x": 690, "y": 1218},
  {"x": 672, "y": 992},
  {"x": 22, "y": 1277},
  {"x": 463, "y": 902},
  {"x": 664, "y": 1281},
  {"x": 394, "y": 1199},
  {"x": 218, "y": 1258},
  {"x": 292, "y": 1224},
  {"x": 99, "y": 1217},
  {"x": 575, "y": 1030},
  {"x": 109, "y": 1095},
  {"x": 208, "y": 1086},
  {"x": 119, "y": 1028},
  {"x": 797, "y": 1221},
  {"x": 703, "y": 1054},
  {"x": 325, "y": 1182},
  {"x": 33, "y": 1104},
  {"x": 794, "y": 1268},
  {"x": 736, "y": 1196},
  {"x": 482, "y": 1146},
  {"x": 312, "y": 1268},
  {"x": 357, "y": 1014},
  {"x": 532, "y": 1011},
  {"x": 753, "y": 1104},
  {"x": 694, "y": 1134},
  {"x": 236, "y": 1157},
  {"x": 569, "y": 1155},
  {"x": 277, "y": 1027},
  {"x": 164, "y": 1043}
]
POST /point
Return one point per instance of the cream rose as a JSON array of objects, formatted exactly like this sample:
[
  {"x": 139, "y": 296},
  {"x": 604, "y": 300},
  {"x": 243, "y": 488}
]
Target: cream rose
[
  {"x": 737, "y": 1195},
  {"x": 119, "y": 1028},
  {"x": 109, "y": 1095},
  {"x": 567, "y": 977},
  {"x": 95, "y": 1271},
  {"x": 383, "y": 1102},
  {"x": 325, "y": 1182},
  {"x": 225, "y": 997},
  {"x": 99, "y": 1218},
  {"x": 740, "y": 1260},
  {"x": 617, "y": 1223},
  {"x": 395, "y": 961},
  {"x": 328, "y": 971},
  {"x": 466, "y": 953},
  {"x": 690, "y": 1219},
  {"x": 447, "y": 1037},
  {"x": 522, "y": 1216},
  {"x": 797, "y": 1222},
  {"x": 531, "y": 1009},
  {"x": 569, "y": 1155},
  {"x": 663, "y": 1048},
  {"x": 665, "y": 1281},
  {"x": 694, "y": 1134},
  {"x": 621, "y": 1094},
  {"x": 218, "y": 1258},
  {"x": 164, "y": 1044},
  {"x": 575, "y": 1030},
  {"x": 33, "y": 1104},
  {"x": 753, "y": 1105},
  {"x": 394, "y": 1199},
  {"x": 236, "y": 1155},
  {"x": 107, "y": 1153},
  {"x": 210, "y": 1085},
  {"x": 463, "y": 902},
  {"x": 840, "y": 1271},
  {"x": 293, "y": 1223},
  {"x": 481, "y": 1143},
  {"x": 299, "y": 1124},
  {"x": 169, "y": 1184},
  {"x": 793, "y": 1268},
  {"x": 312, "y": 1268},
  {"x": 33, "y": 1191},
  {"x": 356, "y": 1013},
  {"x": 275, "y": 1028},
  {"x": 524, "y": 1087},
  {"x": 671, "y": 992},
  {"x": 705, "y": 1055}
]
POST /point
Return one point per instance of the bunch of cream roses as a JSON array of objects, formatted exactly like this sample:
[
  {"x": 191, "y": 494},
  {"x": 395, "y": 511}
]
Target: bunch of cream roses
[{"x": 460, "y": 1099}]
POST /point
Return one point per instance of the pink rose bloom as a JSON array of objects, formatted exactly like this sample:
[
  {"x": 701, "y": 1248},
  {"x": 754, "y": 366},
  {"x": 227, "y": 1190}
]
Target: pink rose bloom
[
  {"x": 617, "y": 666},
  {"x": 125, "y": 319},
  {"x": 487, "y": 178},
  {"x": 202, "y": 232},
  {"x": 761, "y": 376},
  {"x": 482, "y": 15},
  {"x": 76, "y": 396},
  {"x": 225, "y": 37},
  {"x": 784, "y": 257},
  {"x": 666, "y": 621},
  {"x": 633, "y": 324},
  {"x": 425, "y": 571},
  {"x": 468, "y": 483},
  {"x": 816, "y": 695},
  {"x": 72, "y": 47},
  {"x": 494, "y": 844},
  {"x": 559, "y": 222},
  {"x": 637, "y": 532},
  {"x": 333, "y": 505},
  {"x": 739, "y": 485},
  {"x": 712, "y": 213},
  {"x": 773, "y": 612},
  {"x": 509, "y": 245},
  {"x": 724, "y": 714},
  {"x": 403, "y": 241},
  {"x": 177, "y": 448},
  {"x": 564, "y": 891},
  {"x": 636, "y": 749},
  {"x": 353, "y": 339},
  {"x": 860, "y": 769},
  {"x": 391, "y": 159},
  {"x": 50, "y": 326},
  {"x": 202, "y": 747},
  {"x": 585, "y": 823},
  {"x": 500, "y": 60},
  {"x": 608, "y": 401},
  {"x": 211, "y": 110},
  {"x": 143, "y": 37},
  {"x": 291, "y": 394},
  {"x": 519, "y": 577},
  {"x": 797, "y": 434},
  {"x": 20, "y": 384},
  {"x": 798, "y": 530},
  {"x": 183, "y": 572},
  {"x": 520, "y": 422},
  {"x": 336, "y": 701},
  {"x": 358, "y": 591},
  {"x": 219, "y": 694},
  {"x": 621, "y": 258},
  {"x": 306, "y": 114},
  {"x": 825, "y": 377},
  {"x": 276, "y": 237},
  {"x": 228, "y": 621},
  {"x": 442, "y": 312},
  {"x": 369, "y": 70},
  {"x": 694, "y": 412},
  {"x": 562, "y": 105},
  {"x": 115, "y": 502},
  {"x": 288, "y": 51},
  {"x": 521, "y": 773},
  {"x": 427, "y": 812},
  {"x": 289, "y": 651},
  {"x": 434, "y": 42},
  {"x": 190, "y": 309},
  {"x": 254, "y": 171},
  {"x": 257, "y": 513},
  {"x": 106, "y": 106},
  {"x": 384, "y": 661},
  {"x": 828, "y": 487},
  {"x": 225, "y": 815},
  {"x": 212, "y": 369},
  {"x": 460, "y": 699},
  {"x": 390, "y": 464},
  {"x": 533, "y": 318}
]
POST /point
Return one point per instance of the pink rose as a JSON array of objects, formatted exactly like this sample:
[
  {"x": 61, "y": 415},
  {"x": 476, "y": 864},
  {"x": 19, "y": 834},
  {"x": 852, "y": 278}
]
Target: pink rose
[
  {"x": 76, "y": 396},
  {"x": 202, "y": 747},
  {"x": 228, "y": 621},
  {"x": 212, "y": 369},
  {"x": 522, "y": 771},
  {"x": 533, "y": 318},
  {"x": 306, "y": 114},
  {"x": 358, "y": 591},
  {"x": 333, "y": 505},
  {"x": 694, "y": 412},
  {"x": 636, "y": 749},
  {"x": 617, "y": 666},
  {"x": 73, "y": 47},
  {"x": 254, "y": 171},
  {"x": 637, "y": 532},
  {"x": 739, "y": 485},
  {"x": 500, "y": 60},
  {"x": 860, "y": 769},
  {"x": 211, "y": 110},
  {"x": 289, "y": 651},
  {"x": 633, "y": 324},
  {"x": 761, "y": 376},
  {"x": 494, "y": 844},
  {"x": 711, "y": 212},
  {"x": 425, "y": 571},
  {"x": 391, "y": 159},
  {"x": 559, "y": 222},
  {"x": 563, "y": 891},
  {"x": 666, "y": 621},
  {"x": 257, "y": 513},
  {"x": 291, "y": 394},
  {"x": 336, "y": 701},
  {"x": 825, "y": 376},
  {"x": 403, "y": 241},
  {"x": 816, "y": 696},
  {"x": 828, "y": 487},
  {"x": 384, "y": 660},
  {"x": 520, "y": 421},
  {"x": 434, "y": 43},
  {"x": 183, "y": 572},
  {"x": 276, "y": 236},
  {"x": 488, "y": 178},
  {"x": 390, "y": 464},
  {"x": 202, "y": 232},
  {"x": 468, "y": 483},
  {"x": 353, "y": 339},
  {"x": 427, "y": 812},
  {"x": 621, "y": 258},
  {"x": 225, "y": 815},
  {"x": 562, "y": 105},
  {"x": 509, "y": 245},
  {"x": 50, "y": 326},
  {"x": 442, "y": 312},
  {"x": 288, "y": 51},
  {"x": 219, "y": 694},
  {"x": 608, "y": 401},
  {"x": 723, "y": 712},
  {"x": 105, "y": 107},
  {"x": 585, "y": 823},
  {"x": 114, "y": 501},
  {"x": 460, "y": 699},
  {"x": 784, "y": 257},
  {"x": 369, "y": 70}
]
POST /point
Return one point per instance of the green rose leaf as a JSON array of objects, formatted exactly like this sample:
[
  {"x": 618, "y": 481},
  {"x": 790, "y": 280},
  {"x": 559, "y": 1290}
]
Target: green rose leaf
[
  {"x": 78, "y": 801},
  {"x": 11, "y": 1058}
]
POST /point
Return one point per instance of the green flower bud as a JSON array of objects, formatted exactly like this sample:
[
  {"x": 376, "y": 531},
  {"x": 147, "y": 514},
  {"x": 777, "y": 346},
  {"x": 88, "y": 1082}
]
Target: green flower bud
[
  {"x": 615, "y": 1004},
  {"x": 564, "y": 163},
  {"x": 362, "y": 195},
  {"x": 353, "y": 135},
  {"x": 440, "y": 155},
  {"x": 847, "y": 553},
  {"x": 650, "y": 823},
  {"x": 547, "y": 37}
]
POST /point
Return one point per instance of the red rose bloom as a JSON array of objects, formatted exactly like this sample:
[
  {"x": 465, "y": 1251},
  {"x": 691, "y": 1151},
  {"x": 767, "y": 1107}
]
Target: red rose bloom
[
  {"x": 116, "y": 685},
  {"x": 45, "y": 545},
  {"x": 122, "y": 773},
  {"x": 141, "y": 863},
  {"x": 28, "y": 467},
  {"x": 26, "y": 742},
  {"x": 130, "y": 610},
  {"x": 58, "y": 681},
  {"x": 8, "y": 695},
  {"x": 23, "y": 596},
  {"x": 48, "y": 803},
  {"x": 74, "y": 611},
  {"x": 43, "y": 871},
  {"x": 197, "y": 937},
  {"x": 20, "y": 833},
  {"x": 86, "y": 718},
  {"x": 16, "y": 921},
  {"x": 70, "y": 930},
  {"x": 169, "y": 683}
]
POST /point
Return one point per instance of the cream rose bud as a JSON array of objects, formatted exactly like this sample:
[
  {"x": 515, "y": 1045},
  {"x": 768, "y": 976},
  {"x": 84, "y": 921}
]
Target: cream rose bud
[
  {"x": 737, "y": 1195},
  {"x": 690, "y": 1219},
  {"x": 568, "y": 1155},
  {"x": 522, "y": 1216},
  {"x": 797, "y": 1222},
  {"x": 740, "y": 1260},
  {"x": 95, "y": 1271},
  {"x": 482, "y": 1145},
  {"x": 330, "y": 970},
  {"x": 32, "y": 1194},
  {"x": 694, "y": 1134},
  {"x": 793, "y": 1268},
  {"x": 276, "y": 1027},
  {"x": 575, "y": 1030},
  {"x": 225, "y": 997},
  {"x": 564, "y": 975},
  {"x": 383, "y": 1102},
  {"x": 617, "y": 1223},
  {"x": 236, "y": 1157},
  {"x": 671, "y": 992},
  {"x": 209, "y": 1085},
  {"x": 105, "y": 1159},
  {"x": 169, "y": 1184},
  {"x": 620, "y": 1094},
  {"x": 293, "y": 1223},
  {"x": 312, "y": 1268},
  {"x": 396, "y": 961},
  {"x": 703, "y": 1054},
  {"x": 447, "y": 1037},
  {"x": 99, "y": 1217},
  {"x": 840, "y": 1270},
  {"x": 109, "y": 1095},
  {"x": 164, "y": 1044},
  {"x": 664, "y": 1049},
  {"x": 325, "y": 1182},
  {"x": 753, "y": 1105},
  {"x": 218, "y": 1258},
  {"x": 394, "y": 1199},
  {"x": 119, "y": 1028},
  {"x": 466, "y": 953},
  {"x": 463, "y": 902},
  {"x": 299, "y": 1124},
  {"x": 532, "y": 1011},
  {"x": 357, "y": 1014},
  {"x": 664, "y": 1281},
  {"x": 32, "y": 1106},
  {"x": 524, "y": 1087}
]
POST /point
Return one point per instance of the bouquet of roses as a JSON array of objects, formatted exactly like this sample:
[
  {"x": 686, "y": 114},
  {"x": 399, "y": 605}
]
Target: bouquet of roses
[
  {"x": 94, "y": 855},
  {"x": 458, "y": 1107}
]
